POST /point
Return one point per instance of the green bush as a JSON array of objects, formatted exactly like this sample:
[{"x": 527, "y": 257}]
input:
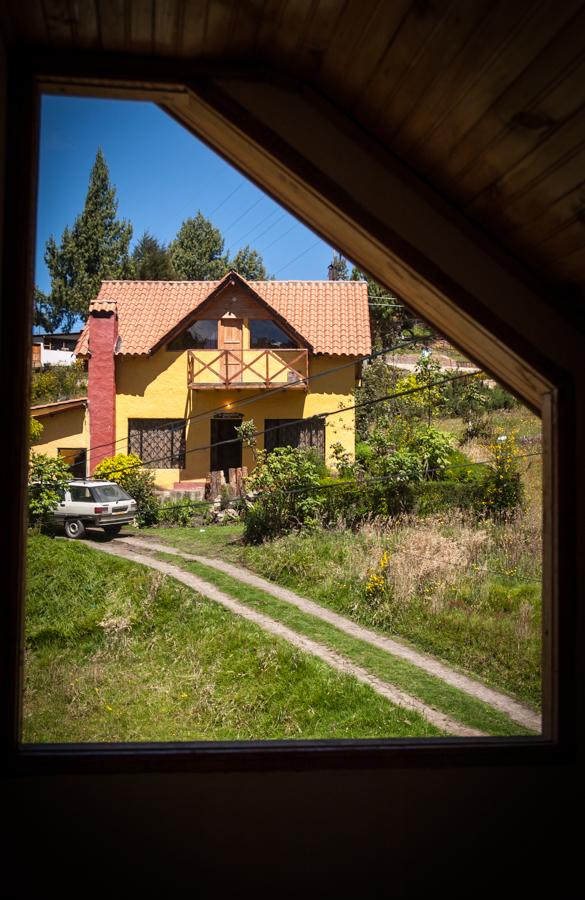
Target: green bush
[
  {"x": 502, "y": 489},
  {"x": 285, "y": 480},
  {"x": 182, "y": 512},
  {"x": 430, "y": 497},
  {"x": 125, "y": 470},
  {"x": 58, "y": 383},
  {"x": 36, "y": 429},
  {"x": 47, "y": 478}
]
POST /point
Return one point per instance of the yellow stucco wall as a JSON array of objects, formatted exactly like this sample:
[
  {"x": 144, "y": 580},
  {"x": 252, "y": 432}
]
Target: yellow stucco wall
[
  {"x": 67, "y": 429},
  {"x": 156, "y": 387}
]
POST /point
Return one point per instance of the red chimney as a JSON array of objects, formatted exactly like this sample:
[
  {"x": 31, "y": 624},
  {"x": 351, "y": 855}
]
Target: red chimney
[{"x": 103, "y": 334}]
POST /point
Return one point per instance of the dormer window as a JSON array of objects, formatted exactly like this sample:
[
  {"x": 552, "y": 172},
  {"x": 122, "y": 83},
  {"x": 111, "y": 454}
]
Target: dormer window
[
  {"x": 201, "y": 335},
  {"x": 265, "y": 334}
]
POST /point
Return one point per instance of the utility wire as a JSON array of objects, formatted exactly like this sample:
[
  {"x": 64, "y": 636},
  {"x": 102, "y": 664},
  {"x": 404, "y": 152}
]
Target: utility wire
[
  {"x": 277, "y": 390},
  {"x": 348, "y": 486},
  {"x": 282, "y": 268},
  {"x": 324, "y": 415}
]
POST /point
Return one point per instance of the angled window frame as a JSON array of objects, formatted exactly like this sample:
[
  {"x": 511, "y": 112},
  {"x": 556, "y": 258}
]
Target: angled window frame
[{"x": 218, "y": 113}]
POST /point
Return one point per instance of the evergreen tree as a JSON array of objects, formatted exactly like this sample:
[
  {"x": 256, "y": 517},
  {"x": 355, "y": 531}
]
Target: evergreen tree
[
  {"x": 151, "y": 260},
  {"x": 197, "y": 253},
  {"x": 94, "y": 249},
  {"x": 249, "y": 264},
  {"x": 338, "y": 268}
]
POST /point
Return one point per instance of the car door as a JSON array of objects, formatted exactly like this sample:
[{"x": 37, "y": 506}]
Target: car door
[{"x": 81, "y": 504}]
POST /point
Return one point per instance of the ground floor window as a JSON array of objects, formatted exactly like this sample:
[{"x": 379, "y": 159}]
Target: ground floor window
[
  {"x": 160, "y": 443},
  {"x": 309, "y": 434},
  {"x": 75, "y": 459}
]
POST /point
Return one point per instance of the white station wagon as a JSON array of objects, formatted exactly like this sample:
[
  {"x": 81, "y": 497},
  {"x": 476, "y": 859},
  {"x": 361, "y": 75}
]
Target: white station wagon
[{"x": 91, "y": 502}]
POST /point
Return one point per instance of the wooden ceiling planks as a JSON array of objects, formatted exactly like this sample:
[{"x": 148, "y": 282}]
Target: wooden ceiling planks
[
  {"x": 504, "y": 132},
  {"x": 409, "y": 83},
  {"x": 113, "y": 21},
  {"x": 475, "y": 54},
  {"x": 168, "y": 18},
  {"x": 484, "y": 100},
  {"x": 142, "y": 23}
]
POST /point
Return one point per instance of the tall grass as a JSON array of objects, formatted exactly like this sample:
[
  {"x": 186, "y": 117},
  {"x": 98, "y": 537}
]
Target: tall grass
[{"x": 469, "y": 595}]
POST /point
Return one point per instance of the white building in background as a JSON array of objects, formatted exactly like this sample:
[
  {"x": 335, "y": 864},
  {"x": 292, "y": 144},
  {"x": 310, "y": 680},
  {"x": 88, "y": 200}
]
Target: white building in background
[{"x": 53, "y": 349}]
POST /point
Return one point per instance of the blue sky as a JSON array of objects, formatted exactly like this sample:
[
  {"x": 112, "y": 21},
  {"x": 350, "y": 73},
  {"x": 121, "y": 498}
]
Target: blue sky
[{"x": 162, "y": 175}]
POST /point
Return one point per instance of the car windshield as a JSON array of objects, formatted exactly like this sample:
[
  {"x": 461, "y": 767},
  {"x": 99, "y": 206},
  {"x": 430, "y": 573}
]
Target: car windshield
[{"x": 107, "y": 492}]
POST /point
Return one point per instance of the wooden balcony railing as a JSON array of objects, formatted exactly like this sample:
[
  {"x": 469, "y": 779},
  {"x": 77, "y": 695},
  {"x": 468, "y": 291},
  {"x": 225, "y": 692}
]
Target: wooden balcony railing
[{"x": 208, "y": 369}]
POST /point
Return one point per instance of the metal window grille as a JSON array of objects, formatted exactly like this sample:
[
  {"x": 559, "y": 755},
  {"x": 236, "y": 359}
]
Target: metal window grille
[
  {"x": 160, "y": 443},
  {"x": 304, "y": 435}
]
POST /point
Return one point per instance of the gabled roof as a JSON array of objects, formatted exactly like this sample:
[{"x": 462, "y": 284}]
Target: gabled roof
[{"x": 331, "y": 316}]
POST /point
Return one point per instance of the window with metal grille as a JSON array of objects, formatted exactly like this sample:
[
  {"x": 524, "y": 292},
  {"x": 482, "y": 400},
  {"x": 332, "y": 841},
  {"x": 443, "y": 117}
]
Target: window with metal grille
[
  {"x": 306, "y": 435},
  {"x": 160, "y": 443}
]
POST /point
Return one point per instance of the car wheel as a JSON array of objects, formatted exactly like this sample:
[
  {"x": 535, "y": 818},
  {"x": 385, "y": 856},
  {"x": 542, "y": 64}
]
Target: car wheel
[
  {"x": 112, "y": 529},
  {"x": 74, "y": 528}
]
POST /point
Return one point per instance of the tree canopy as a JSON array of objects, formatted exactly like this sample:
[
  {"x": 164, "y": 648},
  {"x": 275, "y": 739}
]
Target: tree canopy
[
  {"x": 249, "y": 264},
  {"x": 151, "y": 260},
  {"x": 197, "y": 253},
  {"x": 94, "y": 249}
]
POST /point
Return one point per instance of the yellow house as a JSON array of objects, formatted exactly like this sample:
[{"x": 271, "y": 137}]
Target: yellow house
[{"x": 173, "y": 367}]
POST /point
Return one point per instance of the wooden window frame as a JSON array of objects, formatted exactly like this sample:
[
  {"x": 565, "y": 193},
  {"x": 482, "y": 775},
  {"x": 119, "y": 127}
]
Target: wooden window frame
[{"x": 267, "y": 150}]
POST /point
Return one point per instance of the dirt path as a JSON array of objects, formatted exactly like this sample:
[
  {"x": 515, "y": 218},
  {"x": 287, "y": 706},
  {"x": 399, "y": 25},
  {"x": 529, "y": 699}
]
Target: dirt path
[
  {"x": 122, "y": 548},
  {"x": 516, "y": 711}
]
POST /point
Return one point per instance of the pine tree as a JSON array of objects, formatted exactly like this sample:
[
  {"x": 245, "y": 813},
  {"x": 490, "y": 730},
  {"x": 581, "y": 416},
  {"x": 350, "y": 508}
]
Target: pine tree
[
  {"x": 249, "y": 264},
  {"x": 151, "y": 260},
  {"x": 94, "y": 249},
  {"x": 197, "y": 253}
]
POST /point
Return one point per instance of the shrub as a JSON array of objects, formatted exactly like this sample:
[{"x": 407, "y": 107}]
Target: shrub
[
  {"x": 48, "y": 477},
  {"x": 502, "y": 489},
  {"x": 36, "y": 430},
  {"x": 125, "y": 470},
  {"x": 118, "y": 468},
  {"x": 285, "y": 480},
  {"x": 430, "y": 497},
  {"x": 377, "y": 380},
  {"x": 182, "y": 512},
  {"x": 58, "y": 383}
]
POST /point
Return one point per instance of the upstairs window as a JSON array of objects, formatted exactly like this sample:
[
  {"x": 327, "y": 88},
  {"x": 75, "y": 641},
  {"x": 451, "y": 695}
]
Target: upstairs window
[
  {"x": 201, "y": 335},
  {"x": 265, "y": 334}
]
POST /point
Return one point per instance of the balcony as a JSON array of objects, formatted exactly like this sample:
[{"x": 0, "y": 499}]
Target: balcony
[{"x": 221, "y": 369}]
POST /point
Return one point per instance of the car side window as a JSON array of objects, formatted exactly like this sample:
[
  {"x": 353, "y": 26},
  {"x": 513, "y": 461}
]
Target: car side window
[{"x": 78, "y": 492}]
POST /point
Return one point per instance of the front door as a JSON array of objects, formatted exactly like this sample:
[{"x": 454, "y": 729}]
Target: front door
[
  {"x": 225, "y": 456},
  {"x": 230, "y": 338}
]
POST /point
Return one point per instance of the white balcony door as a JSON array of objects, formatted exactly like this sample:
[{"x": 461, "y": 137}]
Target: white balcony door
[{"x": 230, "y": 338}]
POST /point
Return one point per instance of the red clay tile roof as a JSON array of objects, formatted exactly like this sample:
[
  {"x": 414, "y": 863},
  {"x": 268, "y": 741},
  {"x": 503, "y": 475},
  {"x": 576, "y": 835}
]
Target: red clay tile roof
[{"x": 332, "y": 316}]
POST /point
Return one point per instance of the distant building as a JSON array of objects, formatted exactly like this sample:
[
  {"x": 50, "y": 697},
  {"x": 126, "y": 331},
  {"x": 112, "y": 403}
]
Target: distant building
[{"x": 54, "y": 349}]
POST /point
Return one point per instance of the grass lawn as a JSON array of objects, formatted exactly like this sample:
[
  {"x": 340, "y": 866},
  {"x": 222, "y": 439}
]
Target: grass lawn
[
  {"x": 469, "y": 596},
  {"x": 116, "y": 652},
  {"x": 399, "y": 672}
]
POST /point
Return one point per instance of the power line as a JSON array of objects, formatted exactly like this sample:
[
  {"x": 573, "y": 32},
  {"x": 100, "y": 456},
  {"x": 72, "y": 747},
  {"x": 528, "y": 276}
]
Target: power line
[
  {"x": 276, "y": 240},
  {"x": 349, "y": 486},
  {"x": 266, "y": 230},
  {"x": 277, "y": 390},
  {"x": 324, "y": 415},
  {"x": 229, "y": 196},
  {"x": 282, "y": 268},
  {"x": 245, "y": 213}
]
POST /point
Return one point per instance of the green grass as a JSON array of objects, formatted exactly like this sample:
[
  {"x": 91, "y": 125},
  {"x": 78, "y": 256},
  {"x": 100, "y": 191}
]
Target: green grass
[
  {"x": 116, "y": 652},
  {"x": 484, "y": 618},
  {"x": 391, "y": 669}
]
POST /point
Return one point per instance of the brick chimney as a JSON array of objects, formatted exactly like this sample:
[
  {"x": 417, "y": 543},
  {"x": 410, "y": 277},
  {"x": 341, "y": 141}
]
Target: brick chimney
[{"x": 103, "y": 334}]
